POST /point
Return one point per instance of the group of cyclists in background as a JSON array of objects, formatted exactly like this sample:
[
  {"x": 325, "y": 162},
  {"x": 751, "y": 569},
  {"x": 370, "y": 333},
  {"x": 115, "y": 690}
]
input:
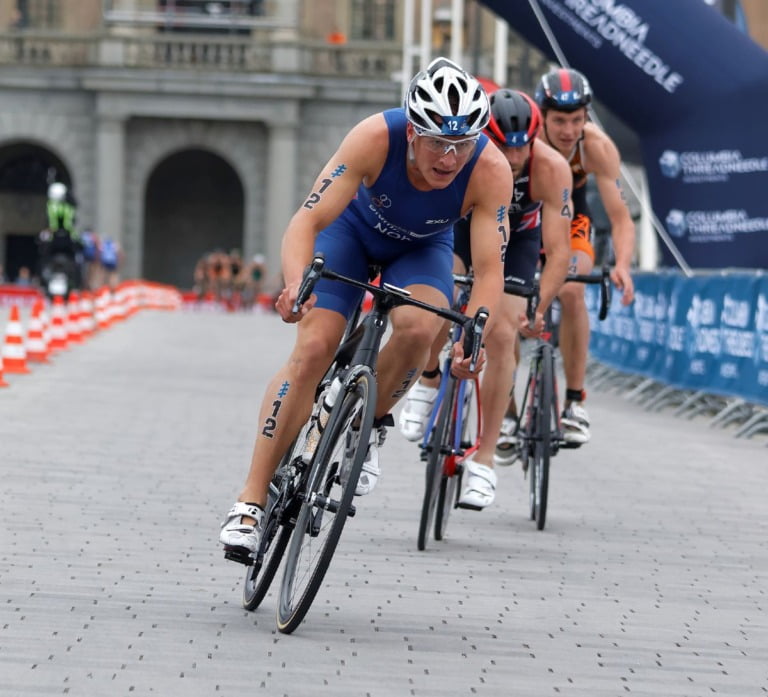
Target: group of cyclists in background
[
  {"x": 398, "y": 188},
  {"x": 228, "y": 279}
]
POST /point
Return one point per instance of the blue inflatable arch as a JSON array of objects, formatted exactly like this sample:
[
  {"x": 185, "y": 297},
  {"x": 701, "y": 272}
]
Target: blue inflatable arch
[{"x": 695, "y": 91}]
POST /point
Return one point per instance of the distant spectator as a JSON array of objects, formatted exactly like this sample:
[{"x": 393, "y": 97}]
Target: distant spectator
[
  {"x": 199, "y": 278},
  {"x": 255, "y": 275},
  {"x": 238, "y": 279},
  {"x": 92, "y": 271},
  {"x": 24, "y": 277},
  {"x": 110, "y": 259}
]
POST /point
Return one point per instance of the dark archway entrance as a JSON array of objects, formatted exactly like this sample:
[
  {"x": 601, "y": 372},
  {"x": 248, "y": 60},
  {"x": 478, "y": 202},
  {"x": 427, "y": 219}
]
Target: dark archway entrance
[
  {"x": 194, "y": 204},
  {"x": 26, "y": 170}
]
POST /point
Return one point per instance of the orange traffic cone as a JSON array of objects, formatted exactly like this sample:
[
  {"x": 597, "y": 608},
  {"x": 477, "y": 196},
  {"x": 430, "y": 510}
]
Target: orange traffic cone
[
  {"x": 87, "y": 323},
  {"x": 74, "y": 335},
  {"x": 3, "y": 383},
  {"x": 45, "y": 321},
  {"x": 14, "y": 353},
  {"x": 37, "y": 345},
  {"x": 104, "y": 312},
  {"x": 58, "y": 325}
]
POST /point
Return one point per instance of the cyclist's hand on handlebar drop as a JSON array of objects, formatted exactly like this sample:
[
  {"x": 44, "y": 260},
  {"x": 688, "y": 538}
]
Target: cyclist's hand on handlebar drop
[
  {"x": 460, "y": 364},
  {"x": 286, "y": 301},
  {"x": 528, "y": 331},
  {"x": 623, "y": 281}
]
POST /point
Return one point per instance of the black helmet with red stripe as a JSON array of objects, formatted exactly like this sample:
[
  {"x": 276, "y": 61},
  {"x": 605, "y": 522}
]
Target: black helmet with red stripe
[
  {"x": 515, "y": 118},
  {"x": 563, "y": 89}
]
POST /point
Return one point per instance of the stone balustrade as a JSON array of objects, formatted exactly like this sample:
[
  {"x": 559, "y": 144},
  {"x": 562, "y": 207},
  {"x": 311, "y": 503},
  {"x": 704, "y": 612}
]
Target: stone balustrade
[{"x": 262, "y": 51}]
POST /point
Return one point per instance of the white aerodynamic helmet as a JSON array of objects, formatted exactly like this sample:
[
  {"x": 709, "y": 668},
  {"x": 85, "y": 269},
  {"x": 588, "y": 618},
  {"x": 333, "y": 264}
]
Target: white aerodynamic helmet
[{"x": 445, "y": 100}]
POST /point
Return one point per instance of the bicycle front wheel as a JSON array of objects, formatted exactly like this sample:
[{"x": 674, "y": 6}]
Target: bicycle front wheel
[
  {"x": 327, "y": 499},
  {"x": 470, "y": 432},
  {"x": 439, "y": 448},
  {"x": 543, "y": 442}
]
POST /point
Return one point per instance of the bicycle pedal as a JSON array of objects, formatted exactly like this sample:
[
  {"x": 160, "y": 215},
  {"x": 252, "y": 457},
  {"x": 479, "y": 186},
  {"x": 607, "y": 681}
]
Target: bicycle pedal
[
  {"x": 241, "y": 555},
  {"x": 570, "y": 445},
  {"x": 468, "y": 507}
]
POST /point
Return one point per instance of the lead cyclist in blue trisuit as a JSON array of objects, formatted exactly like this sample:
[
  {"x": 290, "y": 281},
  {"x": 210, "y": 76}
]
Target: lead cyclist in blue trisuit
[{"x": 389, "y": 196}]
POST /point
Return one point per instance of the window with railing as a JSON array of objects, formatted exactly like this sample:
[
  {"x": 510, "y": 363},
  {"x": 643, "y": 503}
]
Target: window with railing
[
  {"x": 189, "y": 16},
  {"x": 373, "y": 20},
  {"x": 38, "y": 14}
]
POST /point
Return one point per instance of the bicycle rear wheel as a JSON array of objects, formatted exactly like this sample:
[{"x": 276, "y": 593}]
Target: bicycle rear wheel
[
  {"x": 327, "y": 499},
  {"x": 274, "y": 539},
  {"x": 278, "y": 522},
  {"x": 543, "y": 441},
  {"x": 439, "y": 448}
]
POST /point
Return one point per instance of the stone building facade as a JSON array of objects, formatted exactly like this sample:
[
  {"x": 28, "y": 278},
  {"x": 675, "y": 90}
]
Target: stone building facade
[{"x": 176, "y": 144}]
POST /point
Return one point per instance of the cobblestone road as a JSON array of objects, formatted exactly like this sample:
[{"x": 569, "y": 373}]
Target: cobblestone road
[{"x": 119, "y": 459}]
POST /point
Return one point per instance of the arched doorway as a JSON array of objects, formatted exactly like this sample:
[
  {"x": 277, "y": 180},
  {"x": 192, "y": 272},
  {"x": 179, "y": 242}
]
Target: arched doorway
[
  {"x": 194, "y": 203},
  {"x": 26, "y": 169}
]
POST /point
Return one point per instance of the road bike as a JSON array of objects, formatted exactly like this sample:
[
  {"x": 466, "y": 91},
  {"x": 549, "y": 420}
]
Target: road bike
[
  {"x": 450, "y": 436},
  {"x": 538, "y": 433},
  {"x": 310, "y": 496}
]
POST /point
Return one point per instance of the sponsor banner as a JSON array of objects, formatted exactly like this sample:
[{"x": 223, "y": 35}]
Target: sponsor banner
[
  {"x": 712, "y": 200},
  {"x": 633, "y": 55},
  {"x": 709, "y": 333},
  {"x": 707, "y": 169}
]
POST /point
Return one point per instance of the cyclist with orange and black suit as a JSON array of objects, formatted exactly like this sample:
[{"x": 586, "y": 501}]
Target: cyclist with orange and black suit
[
  {"x": 540, "y": 212},
  {"x": 563, "y": 96}
]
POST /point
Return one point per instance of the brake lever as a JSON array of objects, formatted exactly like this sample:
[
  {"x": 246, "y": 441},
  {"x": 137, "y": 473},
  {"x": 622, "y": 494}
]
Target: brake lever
[
  {"x": 473, "y": 336},
  {"x": 312, "y": 275}
]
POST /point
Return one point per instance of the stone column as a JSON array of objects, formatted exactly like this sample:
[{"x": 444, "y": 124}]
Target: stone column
[
  {"x": 110, "y": 182},
  {"x": 287, "y": 13},
  {"x": 281, "y": 189}
]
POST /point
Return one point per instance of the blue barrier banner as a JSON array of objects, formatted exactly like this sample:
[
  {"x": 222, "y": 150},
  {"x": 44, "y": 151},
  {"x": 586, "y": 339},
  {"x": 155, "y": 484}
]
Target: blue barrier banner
[
  {"x": 705, "y": 333},
  {"x": 671, "y": 70}
]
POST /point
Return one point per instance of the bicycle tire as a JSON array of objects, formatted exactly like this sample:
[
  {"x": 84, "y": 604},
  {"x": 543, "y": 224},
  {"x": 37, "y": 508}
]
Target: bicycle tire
[
  {"x": 470, "y": 427},
  {"x": 259, "y": 576},
  {"x": 319, "y": 524},
  {"x": 439, "y": 444},
  {"x": 278, "y": 526},
  {"x": 543, "y": 443},
  {"x": 527, "y": 434},
  {"x": 259, "y": 579}
]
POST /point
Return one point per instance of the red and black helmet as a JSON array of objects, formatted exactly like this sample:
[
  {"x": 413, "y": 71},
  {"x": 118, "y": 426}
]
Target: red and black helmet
[
  {"x": 563, "y": 89},
  {"x": 515, "y": 118}
]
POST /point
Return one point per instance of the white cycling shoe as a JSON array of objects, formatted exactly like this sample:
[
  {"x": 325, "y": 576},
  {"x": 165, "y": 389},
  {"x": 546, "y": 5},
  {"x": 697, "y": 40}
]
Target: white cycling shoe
[
  {"x": 575, "y": 423},
  {"x": 241, "y": 540},
  {"x": 369, "y": 474},
  {"x": 506, "y": 444},
  {"x": 416, "y": 411},
  {"x": 480, "y": 486}
]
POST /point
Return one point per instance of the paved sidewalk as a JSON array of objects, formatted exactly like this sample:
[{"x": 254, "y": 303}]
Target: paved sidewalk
[{"x": 119, "y": 459}]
